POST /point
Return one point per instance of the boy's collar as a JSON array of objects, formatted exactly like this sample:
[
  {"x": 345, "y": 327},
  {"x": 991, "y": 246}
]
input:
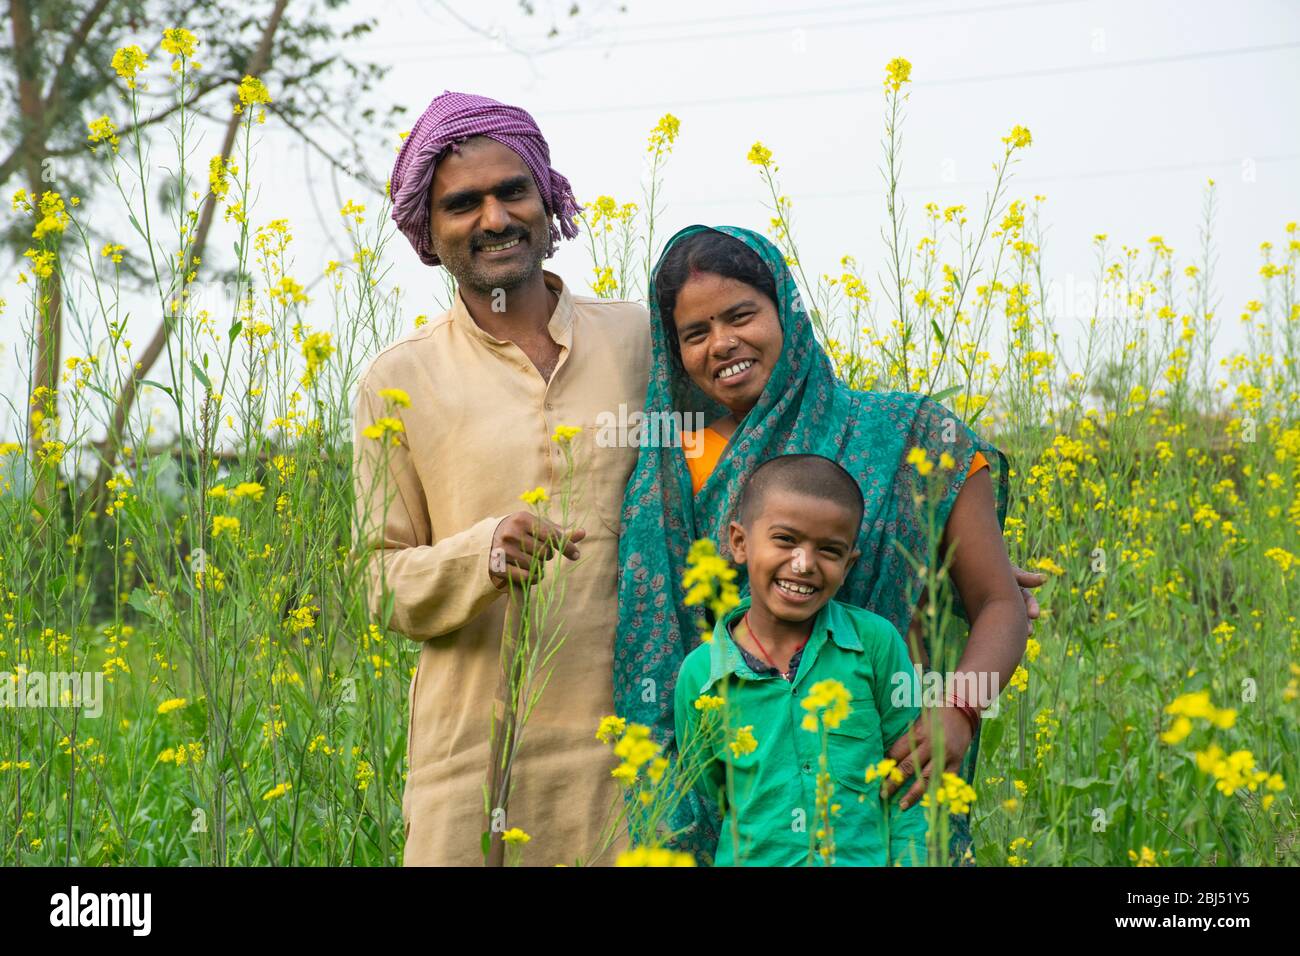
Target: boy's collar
[{"x": 724, "y": 656}]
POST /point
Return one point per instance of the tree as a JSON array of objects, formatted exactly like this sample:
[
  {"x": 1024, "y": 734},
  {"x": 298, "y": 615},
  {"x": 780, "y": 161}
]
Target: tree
[
  {"x": 61, "y": 74},
  {"x": 59, "y": 57}
]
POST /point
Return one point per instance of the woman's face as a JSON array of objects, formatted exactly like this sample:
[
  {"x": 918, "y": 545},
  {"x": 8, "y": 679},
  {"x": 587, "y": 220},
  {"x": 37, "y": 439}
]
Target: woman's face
[{"x": 729, "y": 335}]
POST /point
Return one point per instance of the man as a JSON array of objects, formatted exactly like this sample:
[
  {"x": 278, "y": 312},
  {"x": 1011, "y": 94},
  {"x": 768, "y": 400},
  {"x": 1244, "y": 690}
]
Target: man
[{"x": 516, "y": 356}]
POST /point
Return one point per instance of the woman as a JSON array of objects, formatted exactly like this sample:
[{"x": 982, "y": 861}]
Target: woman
[{"x": 732, "y": 341}]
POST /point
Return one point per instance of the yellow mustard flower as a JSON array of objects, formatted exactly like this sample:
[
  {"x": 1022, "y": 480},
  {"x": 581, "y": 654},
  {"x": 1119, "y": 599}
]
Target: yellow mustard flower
[
  {"x": 128, "y": 61},
  {"x": 707, "y": 702},
  {"x": 921, "y": 460},
  {"x": 102, "y": 130},
  {"x": 886, "y": 769},
  {"x": 536, "y": 496},
  {"x": 1018, "y": 138},
  {"x": 760, "y": 155},
  {"x": 654, "y": 856},
  {"x": 179, "y": 42},
  {"x": 222, "y": 524},
  {"x": 248, "y": 489},
  {"x": 515, "y": 837},
  {"x": 252, "y": 92},
  {"x": 384, "y": 426},
  {"x": 830, "y": 700},
  {"x": 610, "y": 728},
  {"x": 954, "y": 793},
  {"x": 744, "y": 742},
  {"x": 897, "y": 72},
  {"x": 664, "y": 134}
]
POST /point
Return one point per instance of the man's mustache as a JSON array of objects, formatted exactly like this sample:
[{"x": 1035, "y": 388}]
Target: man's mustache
[{"x": 479, "y": 241}]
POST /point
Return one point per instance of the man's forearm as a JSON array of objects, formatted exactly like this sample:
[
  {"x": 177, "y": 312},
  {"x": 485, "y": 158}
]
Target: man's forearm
[{"x": 435, "y": 589}]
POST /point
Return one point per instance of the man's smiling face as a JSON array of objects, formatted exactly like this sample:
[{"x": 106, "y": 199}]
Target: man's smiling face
[{"x": 487, "y": 221}]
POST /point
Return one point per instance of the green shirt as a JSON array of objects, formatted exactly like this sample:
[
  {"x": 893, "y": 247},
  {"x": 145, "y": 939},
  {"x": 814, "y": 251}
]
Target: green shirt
[{"x": 774, "y": 787}]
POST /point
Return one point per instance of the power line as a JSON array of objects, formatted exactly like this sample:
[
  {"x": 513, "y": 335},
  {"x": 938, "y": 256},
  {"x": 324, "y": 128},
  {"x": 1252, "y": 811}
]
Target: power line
[
  {"x": 948, "y": 81},
  {"x": 664, "y": 24},
  {"x": 753, "y": 31},
  {"x": 1025, "y": 180}
]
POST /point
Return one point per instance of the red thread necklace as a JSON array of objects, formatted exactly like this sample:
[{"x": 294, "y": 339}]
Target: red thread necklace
[{"x": 750, "y": 630}]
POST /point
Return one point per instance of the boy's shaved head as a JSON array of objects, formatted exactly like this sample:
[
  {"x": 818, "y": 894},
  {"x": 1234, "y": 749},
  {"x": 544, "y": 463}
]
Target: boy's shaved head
[{"x": 810, "y": 475}]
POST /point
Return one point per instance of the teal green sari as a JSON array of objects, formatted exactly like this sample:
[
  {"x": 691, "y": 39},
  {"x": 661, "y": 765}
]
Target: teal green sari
[{"x": 803, "y": 409}]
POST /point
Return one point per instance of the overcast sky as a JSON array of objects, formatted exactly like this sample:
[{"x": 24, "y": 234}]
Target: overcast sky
[{"x": 1133, "y": 104}]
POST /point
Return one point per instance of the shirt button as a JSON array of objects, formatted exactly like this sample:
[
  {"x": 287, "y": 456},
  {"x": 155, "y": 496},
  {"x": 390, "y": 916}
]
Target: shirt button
[
  {"x": 807, "y": 768},
  {"x": 549, "y": 406}
]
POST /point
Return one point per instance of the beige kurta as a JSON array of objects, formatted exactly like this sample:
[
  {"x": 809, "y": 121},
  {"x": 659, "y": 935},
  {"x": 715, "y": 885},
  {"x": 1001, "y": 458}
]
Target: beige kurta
[{"x": 477, "y": 435}]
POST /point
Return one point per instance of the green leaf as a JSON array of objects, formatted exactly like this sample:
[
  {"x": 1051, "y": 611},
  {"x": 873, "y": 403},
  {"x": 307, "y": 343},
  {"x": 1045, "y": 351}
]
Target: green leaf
[
  {"x": 993, "y": 730},
  {"x": 158, "y": 385},
  {"x": 486, "y": 843},
  {"x": 946, "y": 394},
  {"x": 96, "y": 388},
  {"x": 201, "y": 375},
  {"x": 235, "y": 330},
  {"x": 145, "y": 603},
  {"x": 1133, "y": 672},
  {"x": 195, "y": 717},
  {"x": 938, "y": 332}
]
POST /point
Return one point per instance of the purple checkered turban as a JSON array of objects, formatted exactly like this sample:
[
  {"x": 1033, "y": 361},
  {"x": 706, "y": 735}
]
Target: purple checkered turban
[{"x": 451, "y": 119}]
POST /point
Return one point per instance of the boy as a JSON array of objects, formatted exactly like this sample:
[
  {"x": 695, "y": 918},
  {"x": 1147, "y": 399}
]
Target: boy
[{"x": 799, "y": 518}]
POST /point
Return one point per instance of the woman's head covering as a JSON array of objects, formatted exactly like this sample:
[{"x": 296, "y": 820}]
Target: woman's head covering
[
  {"x": 804, "y": 408},
  {"x": 451, "y": 119}
]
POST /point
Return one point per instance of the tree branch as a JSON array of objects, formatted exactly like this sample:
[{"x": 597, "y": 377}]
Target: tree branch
[
  {"x": 76, "y": 43},
  {"x": 359, "y": 175}
]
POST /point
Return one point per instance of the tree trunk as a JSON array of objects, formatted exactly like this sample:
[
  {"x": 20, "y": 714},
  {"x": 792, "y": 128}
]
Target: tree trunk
[{"x": 49, "y": 292}]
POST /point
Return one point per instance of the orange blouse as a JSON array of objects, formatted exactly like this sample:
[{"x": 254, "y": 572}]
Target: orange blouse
[{"x": 702, "y": 464}]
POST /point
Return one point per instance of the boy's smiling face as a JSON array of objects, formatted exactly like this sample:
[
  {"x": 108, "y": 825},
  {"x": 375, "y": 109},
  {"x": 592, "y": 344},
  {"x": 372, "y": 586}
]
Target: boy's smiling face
[{"x": 798, "y": 550}]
